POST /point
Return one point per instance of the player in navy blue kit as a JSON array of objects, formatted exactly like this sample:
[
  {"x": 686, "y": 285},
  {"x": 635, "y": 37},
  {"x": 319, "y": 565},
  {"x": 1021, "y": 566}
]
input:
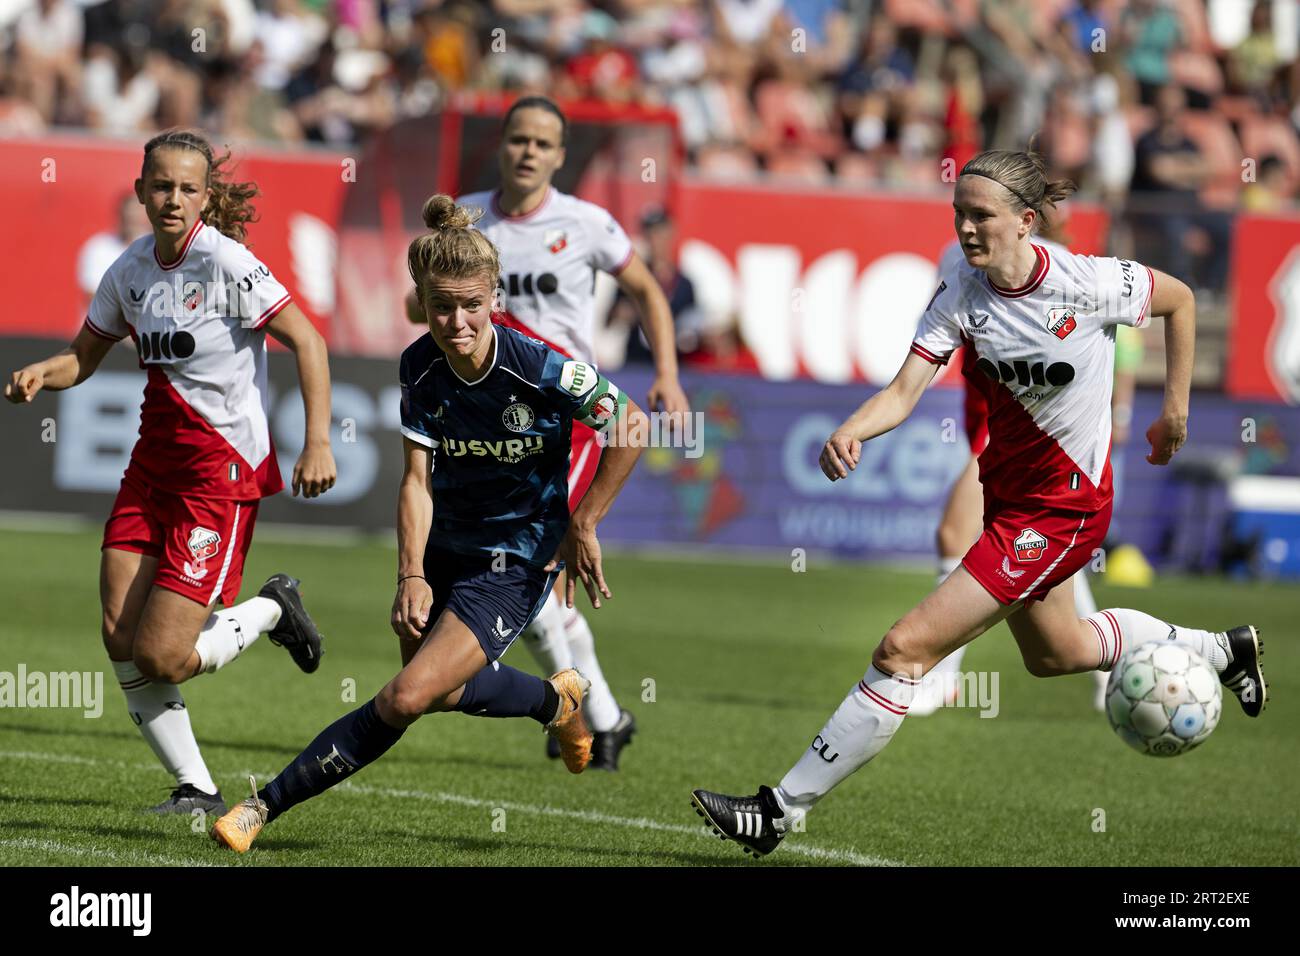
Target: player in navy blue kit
[{"x": 483, "y": 521}]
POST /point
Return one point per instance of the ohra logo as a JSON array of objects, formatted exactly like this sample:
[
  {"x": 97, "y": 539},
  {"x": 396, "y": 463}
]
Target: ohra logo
[
  {"x": 516, "y": 283},
  {"x": 1029, "y": 545},
  {"x": 164, "y": 346},
  {"x": 1061, "y": 322},
  {"x": 1056, "y": 374},
  {"x": 517, "y": 417}
]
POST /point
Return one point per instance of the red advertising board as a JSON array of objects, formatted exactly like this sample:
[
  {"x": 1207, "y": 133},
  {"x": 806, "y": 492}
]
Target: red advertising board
[
  {"x": 824, "y": 284},
  {"x": 1264, "y": 348},
  {"x": 59, "y": 192}
]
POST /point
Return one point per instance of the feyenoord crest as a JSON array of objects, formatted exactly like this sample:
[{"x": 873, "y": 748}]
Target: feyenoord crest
[
  {"x": 193, "y": 296},
  {"x": 1030, "y": 545},
  {"x": 555, "y": 240},
  {"x": 603, "y": 408},
  {"x": 204, "y": 543},
  {"x": 1061, "y": 322},
  {"x": 517, "y": 417}
]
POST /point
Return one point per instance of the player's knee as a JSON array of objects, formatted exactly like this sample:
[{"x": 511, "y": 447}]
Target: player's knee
[
  {"x": 156, "y": 664},
  {"x": 900, "y": 651},
  {"x": 118, "y": 640},
  {"x": 405, "y": 700}
]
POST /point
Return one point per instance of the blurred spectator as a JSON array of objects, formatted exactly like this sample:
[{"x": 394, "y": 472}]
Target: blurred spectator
[
  {"x": 1253, "y": 63},
  {"x": 871, "y": 87},
  {"x": 289, "y": 36},
  {"x": 827, "y": 37},
  {"x": 120, "y": 89},
  {"x": 18, "y": 117},
  {"x": 1113, "y": 159},
  {"x": 747, "y": 22},
  {"x": 659, "y": 248},
  {"x": 47, "y": 40},
  {"x": 1168, "y": 172},
  {"x": 1268, "y": 194},
  {"x": 603, "y": 70},
  {"x": 447, "y": 37},
  {"x": 1149, "y": 31},
  {"x": 102, "y": 249}
]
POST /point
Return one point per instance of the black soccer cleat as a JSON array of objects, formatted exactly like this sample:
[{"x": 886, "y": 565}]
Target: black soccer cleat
[
  {"x": 609, "y": 744},
  {"x": 1243, "y": 675},
  {"x": 187, "y": 798},
  {"x": 296, "y": 632},
  {"x": 747, "y": 820}
]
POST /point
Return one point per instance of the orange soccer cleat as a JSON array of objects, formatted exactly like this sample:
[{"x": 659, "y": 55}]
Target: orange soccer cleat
[{"x": 569, "y": 728}]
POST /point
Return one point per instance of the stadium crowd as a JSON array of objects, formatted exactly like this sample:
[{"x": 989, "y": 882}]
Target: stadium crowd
[{"x": 1178, "y": 111}]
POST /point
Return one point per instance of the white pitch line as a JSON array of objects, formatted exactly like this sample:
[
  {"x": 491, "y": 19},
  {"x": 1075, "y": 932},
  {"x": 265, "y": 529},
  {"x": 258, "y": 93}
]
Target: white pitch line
[
  {"x": 829, "y": 854},
  {"x": 135, "y": 856}
]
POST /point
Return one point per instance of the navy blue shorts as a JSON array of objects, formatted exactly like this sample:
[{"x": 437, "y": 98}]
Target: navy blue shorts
[{"x": 495, "y": 605}]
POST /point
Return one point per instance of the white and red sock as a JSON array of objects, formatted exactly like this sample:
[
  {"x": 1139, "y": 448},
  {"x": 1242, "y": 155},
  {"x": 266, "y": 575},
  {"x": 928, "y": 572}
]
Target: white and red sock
[
  {"x": 599, "y": 706},
  {"x": 1120, "y": 629},
  {"x": 159, "y": 711},
  {"x": 856, "y": 732},
  {"x": 230, "y": 632}
]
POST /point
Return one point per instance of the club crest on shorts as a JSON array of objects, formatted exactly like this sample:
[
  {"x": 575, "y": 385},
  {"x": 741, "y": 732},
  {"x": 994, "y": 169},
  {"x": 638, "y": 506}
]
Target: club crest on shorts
[
  {"x": 517, "y": 417},
  {"x": 1061, "y": 322},
  {"x": 1029, "y": 545},
  {"x": 204, "y": 543}
]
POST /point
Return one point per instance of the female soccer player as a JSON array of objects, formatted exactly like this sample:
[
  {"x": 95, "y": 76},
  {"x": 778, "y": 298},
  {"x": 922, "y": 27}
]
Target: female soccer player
[
  {"x": 551, "y": 245},
  {"x": 1042, "y": 326},
  {"x": 482, "y": 535},
  {"x": 198, "y": 306}
]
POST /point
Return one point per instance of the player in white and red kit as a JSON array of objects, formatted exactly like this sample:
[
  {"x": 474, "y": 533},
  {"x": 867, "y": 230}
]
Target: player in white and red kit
[
  {"x": 1041, "y": 327},
  {"x": 960, "y": 525},
  {"x": 198, "y": 306},
  {"x": 551, "y": 246}
]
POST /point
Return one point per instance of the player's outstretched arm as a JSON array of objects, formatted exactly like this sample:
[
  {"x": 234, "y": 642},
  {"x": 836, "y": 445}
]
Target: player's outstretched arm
[
  {"x": 639, "y": 284},
  {"x": 414, "y": 518},
  {"x": 625, "y": 437},
  {"x": 70, "y": 367},
  {"x": 315, "y": 472},
  {"x": 882, "y": 412},
  {"x": 1173, "y": 300}
]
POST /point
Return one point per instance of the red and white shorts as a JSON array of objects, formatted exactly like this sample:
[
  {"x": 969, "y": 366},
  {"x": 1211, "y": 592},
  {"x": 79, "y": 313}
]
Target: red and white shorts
[
  {"x": 200, "y": 543},
  {"x": 1027, "y": 549}
]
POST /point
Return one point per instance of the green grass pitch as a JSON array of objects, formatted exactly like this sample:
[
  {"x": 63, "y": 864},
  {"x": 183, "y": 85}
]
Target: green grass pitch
[{"x": 730, "y": 668}]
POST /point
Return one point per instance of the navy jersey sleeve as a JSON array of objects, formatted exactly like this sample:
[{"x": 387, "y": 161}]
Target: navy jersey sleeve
[
  {"x": 416, "y": 417},
  {"x": 588, "y": 396}
]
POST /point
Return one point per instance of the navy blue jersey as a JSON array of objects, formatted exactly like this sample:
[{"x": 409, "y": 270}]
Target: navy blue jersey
[{"x": 500, "y": 445}]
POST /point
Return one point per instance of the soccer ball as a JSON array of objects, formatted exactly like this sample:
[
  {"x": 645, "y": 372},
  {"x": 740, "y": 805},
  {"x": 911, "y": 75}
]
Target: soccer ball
[{"x": 1163, "y": 699}]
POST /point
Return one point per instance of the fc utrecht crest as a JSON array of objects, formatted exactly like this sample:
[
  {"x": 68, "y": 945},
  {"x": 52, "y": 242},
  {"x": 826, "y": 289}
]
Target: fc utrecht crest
[
  {"x": 1030, "y": 545},
  {"x": 203, "y": 544},
  {"x": 1061, "y": 322},
  {"x": 555, "y": 240}
]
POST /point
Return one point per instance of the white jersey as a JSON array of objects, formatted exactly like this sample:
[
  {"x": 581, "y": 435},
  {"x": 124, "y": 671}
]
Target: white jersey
[
  {"x": 1044, "y": 356},
  {"x": 198, "y": 326},
  {"x": 549, "y": 259}
]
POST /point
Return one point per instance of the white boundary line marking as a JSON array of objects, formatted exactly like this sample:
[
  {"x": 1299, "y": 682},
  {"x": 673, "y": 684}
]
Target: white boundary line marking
[
  {"x": 131, "y": 856},
  {"x": 828, "y": 854}
]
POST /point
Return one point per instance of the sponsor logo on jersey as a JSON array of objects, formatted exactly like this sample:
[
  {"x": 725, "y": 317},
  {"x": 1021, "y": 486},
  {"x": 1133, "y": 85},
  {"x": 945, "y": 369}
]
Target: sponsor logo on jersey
[
  {"x": 937, "y": 292},
  {"x": 164, "y": 346},
  {"x": 1029, "y": 545},
  {"x": 509, "y": 450},
  {"x": 976, "y": 322},
  {"x": 577, "y": 378},
  {"x": 516, "y": 283},
  {"x": 502, "y": 630},
  {"x": 1020, "y": 371},
  {"x": 517, "y": 417},
  {"x": 193, "y": 296},
  {"x": 253, "y": 278},
  {"x": 1061, "y": 322},
  {"x": 1129, "y": 275},
  {"x": 136, "y": 296},
  {"x": 555, "y": 240}
]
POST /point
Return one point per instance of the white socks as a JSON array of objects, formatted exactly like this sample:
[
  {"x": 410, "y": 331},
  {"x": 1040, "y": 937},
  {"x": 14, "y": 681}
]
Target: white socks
[
  {"x": 159, "y": 711},
  {"x": 600, "y": 708},
  {"x": 856, "y": 732},
  {"x": 546, "y": 638},
  {"x": 1121, "y": 629},
  {"x": 230, "y": 632}
]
